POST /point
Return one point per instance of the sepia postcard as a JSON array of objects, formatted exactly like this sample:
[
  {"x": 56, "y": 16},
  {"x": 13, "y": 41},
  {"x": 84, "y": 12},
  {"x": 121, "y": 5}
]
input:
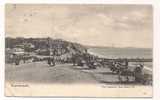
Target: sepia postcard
[{"x": 78, "y": 50}]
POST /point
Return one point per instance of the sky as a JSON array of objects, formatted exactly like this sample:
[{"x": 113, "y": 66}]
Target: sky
[{"x": 95, "y": 25}]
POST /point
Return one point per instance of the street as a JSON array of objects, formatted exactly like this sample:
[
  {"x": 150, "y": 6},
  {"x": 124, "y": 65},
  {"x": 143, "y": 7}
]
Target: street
[{"x": 41, "y": 72}]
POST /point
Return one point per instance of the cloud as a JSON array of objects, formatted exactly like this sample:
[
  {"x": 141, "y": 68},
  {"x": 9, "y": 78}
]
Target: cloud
[{"x": 104, "y": 25}]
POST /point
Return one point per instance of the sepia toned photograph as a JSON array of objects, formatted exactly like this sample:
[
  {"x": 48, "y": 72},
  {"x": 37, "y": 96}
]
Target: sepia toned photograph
[{"x": 78, "y": 50}]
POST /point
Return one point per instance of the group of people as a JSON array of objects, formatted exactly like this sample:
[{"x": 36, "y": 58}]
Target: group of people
[{"x": 85, "y": 58}]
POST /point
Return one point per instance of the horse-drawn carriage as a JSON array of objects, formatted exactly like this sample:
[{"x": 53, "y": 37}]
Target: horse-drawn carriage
[{"x": 127, "y": 73}]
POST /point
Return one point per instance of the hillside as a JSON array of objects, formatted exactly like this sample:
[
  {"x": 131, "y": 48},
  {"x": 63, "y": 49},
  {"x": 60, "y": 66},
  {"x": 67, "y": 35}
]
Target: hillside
[{"x": 42, "y": 45}]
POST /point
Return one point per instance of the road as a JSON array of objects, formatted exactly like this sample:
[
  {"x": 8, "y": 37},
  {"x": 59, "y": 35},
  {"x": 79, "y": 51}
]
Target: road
[{"x": 42, "y": 73}]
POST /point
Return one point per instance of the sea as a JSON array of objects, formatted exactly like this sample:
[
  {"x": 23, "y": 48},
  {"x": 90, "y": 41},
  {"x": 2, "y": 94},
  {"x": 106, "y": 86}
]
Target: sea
[
  {"x": 109, "y": 52},
  {"x": 115, "y": 53}
]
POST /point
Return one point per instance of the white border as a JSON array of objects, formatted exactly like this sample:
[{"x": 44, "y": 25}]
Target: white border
[
  {"x": 156, "y": 54},
  {"x": 156, "y": 51},
  {"x": 83, "y": 1}
]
